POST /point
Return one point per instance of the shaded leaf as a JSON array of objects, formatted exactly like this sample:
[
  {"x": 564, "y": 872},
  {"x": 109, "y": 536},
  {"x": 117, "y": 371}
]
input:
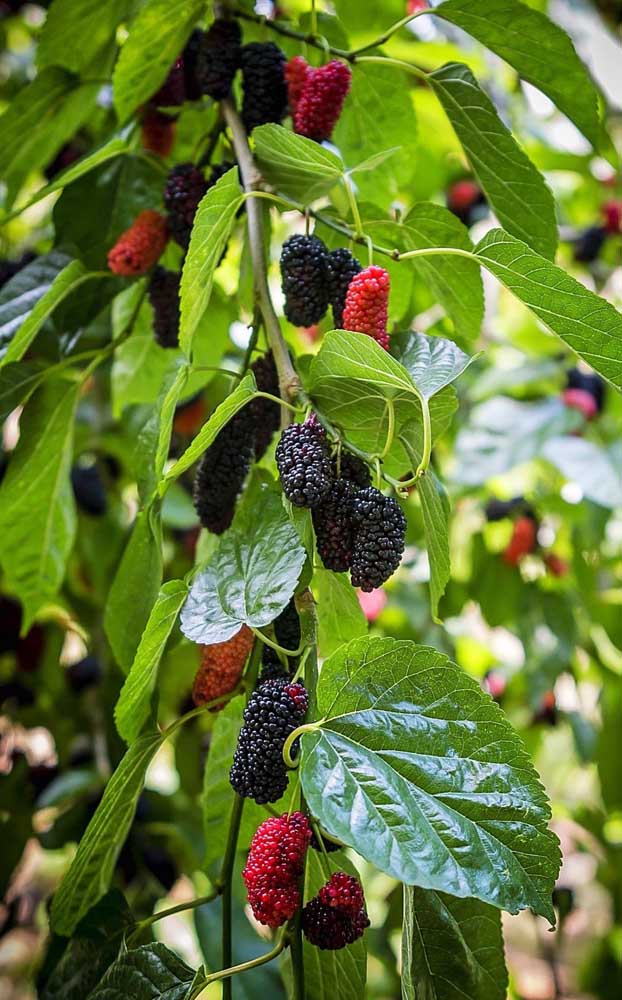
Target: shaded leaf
[
  {"x": 435, "y": 510},
  {"x": 21, "y": 294},
  {"x": 90, "y": 872},
  {"x": 416, "y": 768},
  {"x": 597, "y": 470},
  {"x": 431, "y": 362},
  {"x": 17, "y": 382},
  {"x": 452, "y": 949},
  {"x": 37, "y": 512},
  {"x": 339, "y": 614},
  {"x": 515, "y": 189},
  {"x": 89, "y": 24},
  {"x": 151, "y": 972}
]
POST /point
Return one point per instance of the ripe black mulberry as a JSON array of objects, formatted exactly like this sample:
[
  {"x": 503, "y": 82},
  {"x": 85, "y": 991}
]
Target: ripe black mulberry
[
  {"x": 303, "y": 461},
  {"x": 263, "y": 79},
  {"x": 304, "y": 279},
  {"x": 379, "y": 540},
  {"x": 218, "y": 58}
]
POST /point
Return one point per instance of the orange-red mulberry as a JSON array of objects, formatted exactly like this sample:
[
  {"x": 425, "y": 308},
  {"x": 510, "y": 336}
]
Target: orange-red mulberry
[
  {"x": 523, "y": 541},
  {"x": 140, "y": 246},
  {"x": 221, "y": 667}
]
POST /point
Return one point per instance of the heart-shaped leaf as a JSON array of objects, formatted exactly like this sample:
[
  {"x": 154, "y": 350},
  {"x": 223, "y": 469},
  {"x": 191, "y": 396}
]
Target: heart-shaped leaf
[
  {"x": 416, "y": 768},
  {"x": 252, "y": 575}
]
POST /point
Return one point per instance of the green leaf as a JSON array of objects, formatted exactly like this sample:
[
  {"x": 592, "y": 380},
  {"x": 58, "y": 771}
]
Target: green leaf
[
  {"x": 44, "y": 115},
  {"x": 502, "y": 433},
  {"x": 332, "y": 975},
  {"x": 17, "y": 382},
  {"x": 92, "y": 949},
  {"x": 515, "y": 189},
  {"x": 538, "y": 49},
  {"x": 373, "y": 161},
  {"x": 607, "y": 755},
  {"x": 416, "y": 768},
  {"x": 132, "y": 708},
  {"x": 154, "y": 439},
  {"x": 140, "y": 364},
  {"x": 378, "y": 113},
  {"x": 134, "y": 588},
  {"x": 151, "y": 972},
  {"x": 90, "y": 872},
  {"x": 435, "y": 510},
  {"x": 70, "y": 278},
  {"x": 37, "y": 512},
  {"x": 156, "y": 39},
  {"x": 587, "y": 323},
  {"x": 241, "y": 395},
  {"x": 431, "y": 362},
  {"x": 452, "y": 949},
  {"x": 218, "y": 795},
  {"x": 90, "y": 26},
  {"x": 213, "y": 222},
  {"x": 296, "y": 166},
  {"x": 22, "y": 293},
  {"x": 455, "y": 281},
  {"x": 109, "y": 151},
  {"x": 252, "y": 575},
  {"x": 597, "y": 470},
  {"x": 339, "y": 614}
]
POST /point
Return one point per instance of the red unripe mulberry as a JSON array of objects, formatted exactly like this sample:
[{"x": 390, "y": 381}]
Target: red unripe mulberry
[
  {"x": 555, "y": 564},
  {"x": 140, "y": 246},
  {"x": 522, "y": 542},
  {"x": 612, "y": 211},
  {"x": 367, "y": 301},
  {"x": 157, "y": 132},
  {"x": 274, "y": 868},
  {"x": 581, "y": 399},
  {"x": 221, "y": 667},
  {"x": 321, "y": 100},
  {"x": 297, "y": 72}
]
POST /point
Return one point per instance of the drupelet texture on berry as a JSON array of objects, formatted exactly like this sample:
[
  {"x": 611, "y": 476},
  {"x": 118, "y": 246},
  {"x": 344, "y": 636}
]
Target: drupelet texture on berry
[
  {"x": 218, "y": 58},
  {"x": 274, "y": 868},
  {"x": 336, "y": 917},
  {"x": 221, "y": 472},
  {"x": 352, "y": 468},
  {"x": 304, "y": 279},
  {"x": 164, "y": 299},
  {"x": 191, "y": 57},
  {"x": 172, "y": 93},
  {"x": 140, "y": 246},
  {"x": 185, "y": 186},
  {"x": 320, "y": 103},
  {"x": 264, "y": 86},
  {"x": 287, "y": 627},
  {"x": 265, "y": 414},
  {"x": 334, "y": 528},
  {"x": 366, "y": 305},
  {"x": 379, "y": 539},
  {"x": 271, "y": 667},
  {"x": 221, "y": 667},
  {"x": 274, "y": 710},
  {"x": 342, "y": 267},
  {"x": 303, "y": 461},
  {"x": 297, "y": 72}
]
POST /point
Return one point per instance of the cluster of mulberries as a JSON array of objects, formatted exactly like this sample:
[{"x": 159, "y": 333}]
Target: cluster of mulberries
[
  {"x": 336, "y": 917},
  {"x": 218, "y": 58},
  {"x": 263, "y": 83},
  {"x": 304, "y": 279},
  {"x": 304, "y": 464},
  {"x": 274, "y": 710},
  {"x": 140, "y": 246},
  {"x": 342, "y": 268},
  {"x": 366, "y": 304},
  {"x": 164, "y": 299},
  {"x": 157, "y": 126},
  {"x": 332, "y": 520},
  {"x": 274, "y": 868},
  {"x": 223, "y": 467},
  {"x": 320, "y": 100},
  {"x": 221, "y": 667},
  {"x": 184, "y": 188},
  {"x": 524, "y": 540}
]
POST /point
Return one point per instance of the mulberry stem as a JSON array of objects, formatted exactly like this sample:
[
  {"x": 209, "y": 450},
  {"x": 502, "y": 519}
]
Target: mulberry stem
[
  {"x": 356, "y": 215},
  {"x": 225, "y": 974},
  {"x": 308, "y": 727},
  {"x": 226, "y": 878},
  {"x": 190, "y": 904},
  {"x": 274, "y": 645},
  {"x": 288, "y": 379}
]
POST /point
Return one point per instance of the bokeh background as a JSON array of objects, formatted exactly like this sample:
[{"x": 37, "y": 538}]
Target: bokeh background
[{"x": 538, "y": 624}]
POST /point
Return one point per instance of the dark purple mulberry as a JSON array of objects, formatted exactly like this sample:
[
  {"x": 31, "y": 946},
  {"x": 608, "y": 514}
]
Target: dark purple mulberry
[
  {"x": 218, "y": 58},
  {"x": 304, "y": 279},
  {"x": 379, "y": 539},
  {"x": 221, "y": 472},
  {"x": 304, "y": 464},
  {"x": 274, "y": 710},
  {"x": 333, "y": 519},
  {"x": 183, "y": 191},
  {"x": 342, "y": 267},
  {"x": 266, "y": 414},
  {"x": 164, "y": 299},
  {"x": 336, "y": 917},
  {"x": 263, "y": 80}
]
